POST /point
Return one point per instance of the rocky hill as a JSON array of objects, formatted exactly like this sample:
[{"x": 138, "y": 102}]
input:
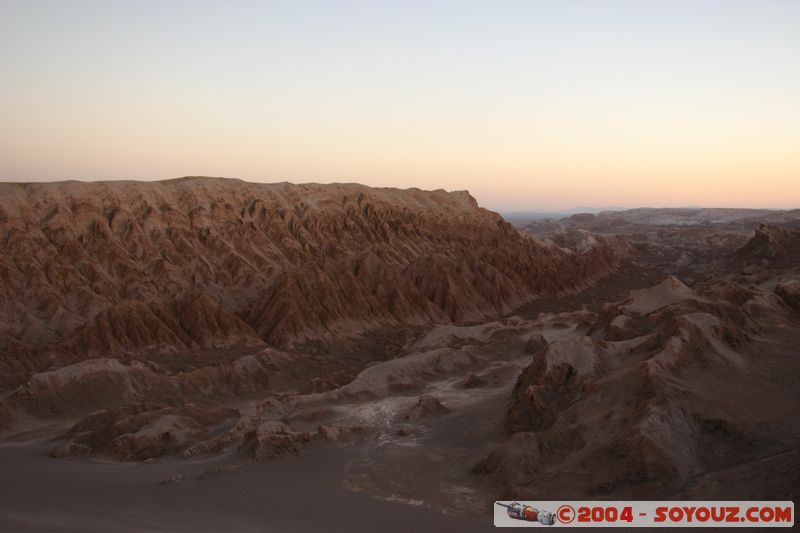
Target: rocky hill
[
  {"x": 181, "y": 274},
  {"x": 670, "y": 393},
  {"x": 772, "y": 244}
]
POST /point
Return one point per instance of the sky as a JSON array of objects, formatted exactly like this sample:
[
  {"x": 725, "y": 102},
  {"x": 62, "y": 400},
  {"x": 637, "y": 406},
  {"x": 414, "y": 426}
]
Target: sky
[{"x": 526, "y": 104}]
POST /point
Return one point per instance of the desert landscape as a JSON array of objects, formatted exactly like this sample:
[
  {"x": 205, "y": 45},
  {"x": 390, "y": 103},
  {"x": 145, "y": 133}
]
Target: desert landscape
[
  {"x": 398, "y": 266},
  {"x": 381, "y": 352}
]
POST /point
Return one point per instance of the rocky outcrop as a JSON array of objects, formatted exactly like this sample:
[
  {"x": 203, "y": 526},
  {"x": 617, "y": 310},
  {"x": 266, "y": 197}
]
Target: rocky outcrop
[
  {"x": 772, "y": 245},
  {"x": 789, "y": 292},
  {"x": 141, "y": 431},
  {"x": 471, "y": 381},
  {"x": 637, "y": 405},
  {"x": 425, "y": 407},
  {"x": 117, "y": 269},
  {"x": 273, "y": 439},
  {"x": 272, "y": 253},
  {"x": 87, "y": 385}
]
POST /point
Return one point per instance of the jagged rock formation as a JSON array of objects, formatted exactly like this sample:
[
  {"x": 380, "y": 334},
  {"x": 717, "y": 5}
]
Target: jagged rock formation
[
  {"x": 293, "y": 261},
  {"x": 426, "y": 406},
  {"x": 789, "y": 291},
  {"x": 772, "y": 244},
  {"x": 665, "y": 386},
  {"x": 695, "y": 244},
  {"x": 136, "y": 291},
  {"x": 141, "y": 431}
]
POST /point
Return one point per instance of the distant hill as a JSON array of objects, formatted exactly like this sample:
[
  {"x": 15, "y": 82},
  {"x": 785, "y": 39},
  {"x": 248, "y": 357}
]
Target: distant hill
[{"x": 610, "y": 220}]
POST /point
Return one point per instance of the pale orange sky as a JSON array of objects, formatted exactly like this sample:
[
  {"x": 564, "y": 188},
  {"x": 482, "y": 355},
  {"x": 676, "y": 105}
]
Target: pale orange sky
[{"x": 529, "y": 105}]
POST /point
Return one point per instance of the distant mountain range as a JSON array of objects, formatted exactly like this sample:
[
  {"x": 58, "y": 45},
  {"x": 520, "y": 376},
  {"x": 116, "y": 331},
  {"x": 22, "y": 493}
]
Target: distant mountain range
[{"x": 655, "y": 215}]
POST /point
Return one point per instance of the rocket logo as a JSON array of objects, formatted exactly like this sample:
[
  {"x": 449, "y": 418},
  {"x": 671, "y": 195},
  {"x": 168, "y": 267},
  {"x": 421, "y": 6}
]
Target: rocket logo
[{"x": 518, "y": 511}]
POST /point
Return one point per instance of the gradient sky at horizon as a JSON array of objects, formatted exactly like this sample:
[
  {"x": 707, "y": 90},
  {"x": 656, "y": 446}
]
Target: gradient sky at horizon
[{"x": 527, "y": 104}]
